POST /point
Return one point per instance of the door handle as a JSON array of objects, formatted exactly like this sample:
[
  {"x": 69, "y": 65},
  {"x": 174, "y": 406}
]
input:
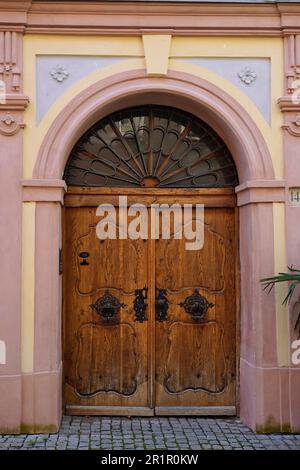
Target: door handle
[
  {"x": 161, "y": 305},
  {"x": 84, "y": 255},
  {"x": 140, "y": 306},
  {"x": 196, "y": 305},
  {"x": 107, "y": 306}
]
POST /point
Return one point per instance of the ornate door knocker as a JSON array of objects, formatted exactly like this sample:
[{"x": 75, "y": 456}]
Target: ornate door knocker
[
  {"x": 196, "y": 305},
  {"x": 107, "y": 306}
]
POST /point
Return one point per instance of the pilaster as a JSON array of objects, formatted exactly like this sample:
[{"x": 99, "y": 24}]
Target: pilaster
[{"x": 12, "y": 106}]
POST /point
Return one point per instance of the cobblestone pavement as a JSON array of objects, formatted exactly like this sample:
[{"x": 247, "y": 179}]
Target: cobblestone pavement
[{"x": 151, "y": 433}]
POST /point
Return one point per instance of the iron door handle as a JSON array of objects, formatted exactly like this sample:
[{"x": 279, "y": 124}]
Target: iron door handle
[
  {"x": 140, "y": 306},
  {"x": 196, "y": 305},
  {"x": 161, "y": 305},
  {"x": 84, "y": 255},
  {"x": 107, "y": 306}
]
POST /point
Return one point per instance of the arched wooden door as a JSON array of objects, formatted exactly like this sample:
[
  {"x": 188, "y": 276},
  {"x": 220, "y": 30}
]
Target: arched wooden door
[{"x": 150, "y": 327}]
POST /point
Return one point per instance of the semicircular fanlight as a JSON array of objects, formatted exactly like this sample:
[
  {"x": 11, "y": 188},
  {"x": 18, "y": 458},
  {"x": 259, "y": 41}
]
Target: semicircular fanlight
[{"x": 151, "y": 146}]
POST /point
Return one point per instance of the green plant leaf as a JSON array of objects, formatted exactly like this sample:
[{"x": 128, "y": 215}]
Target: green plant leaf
[
  {"x": 294, "y": 279},
  {"x": 297, "y": 307},
  {"x": 293, "y": 269}
]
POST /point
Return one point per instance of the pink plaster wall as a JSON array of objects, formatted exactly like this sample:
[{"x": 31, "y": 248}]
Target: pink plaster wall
[
  {"x": 267, "y": 401},
  {"x": 259, "y": 373},
  {"x": 10, "y": 248},
  {"x": 292, "y": 175},
  {"x": 47, "y": 340},
  {"x": 270, "y": 396},
  {"x": 10, "y": 278}
]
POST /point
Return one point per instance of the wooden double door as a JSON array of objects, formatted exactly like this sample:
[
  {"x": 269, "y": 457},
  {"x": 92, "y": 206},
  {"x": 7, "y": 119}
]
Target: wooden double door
[{"x": 149, "y": 326}]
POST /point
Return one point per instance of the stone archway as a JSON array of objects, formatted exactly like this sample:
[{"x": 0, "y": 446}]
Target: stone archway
[
  {"x": 256, "y": 193},
  {"x": 192, "y": 94}
]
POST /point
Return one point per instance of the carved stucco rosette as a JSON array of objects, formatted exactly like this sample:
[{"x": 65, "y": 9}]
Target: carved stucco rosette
[
  {"x": 59, "y": 73},
  {"x": 9, "y": 125},
  {"x": 247, "y": 76}
]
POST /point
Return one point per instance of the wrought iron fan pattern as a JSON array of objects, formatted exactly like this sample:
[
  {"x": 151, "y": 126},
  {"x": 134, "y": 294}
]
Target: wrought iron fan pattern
[{"x": 151, "y": 146}]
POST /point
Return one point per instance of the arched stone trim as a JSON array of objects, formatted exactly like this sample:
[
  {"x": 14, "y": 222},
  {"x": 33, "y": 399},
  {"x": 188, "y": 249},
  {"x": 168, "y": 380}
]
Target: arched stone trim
[
  {"x": 256, "y": 193},
  {"x": 193, "y": 94}
]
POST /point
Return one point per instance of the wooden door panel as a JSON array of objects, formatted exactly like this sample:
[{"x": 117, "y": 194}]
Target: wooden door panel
[
  {"x": 196, "y": 359},
  {"x": 111, "y": 365},
  {"x": 106, "y": 360},
  {"x": 194, "y": 370},
  {"x": 107, "y": 371}
]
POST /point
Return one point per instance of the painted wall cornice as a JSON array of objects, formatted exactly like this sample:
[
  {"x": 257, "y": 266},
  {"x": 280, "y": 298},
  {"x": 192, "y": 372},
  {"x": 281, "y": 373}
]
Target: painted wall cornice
[
  {"x": 13, "y": 5},
  {"x": 17, "y": 102},
  {"x": 70, "y": 17}
]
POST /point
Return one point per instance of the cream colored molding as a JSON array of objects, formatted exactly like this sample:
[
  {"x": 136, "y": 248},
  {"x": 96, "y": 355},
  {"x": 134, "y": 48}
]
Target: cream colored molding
[{"x": 157, "y": 52}]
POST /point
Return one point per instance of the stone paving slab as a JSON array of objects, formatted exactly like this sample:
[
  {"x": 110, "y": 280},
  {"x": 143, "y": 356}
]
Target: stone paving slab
[{"x": 174, "y": 433}]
